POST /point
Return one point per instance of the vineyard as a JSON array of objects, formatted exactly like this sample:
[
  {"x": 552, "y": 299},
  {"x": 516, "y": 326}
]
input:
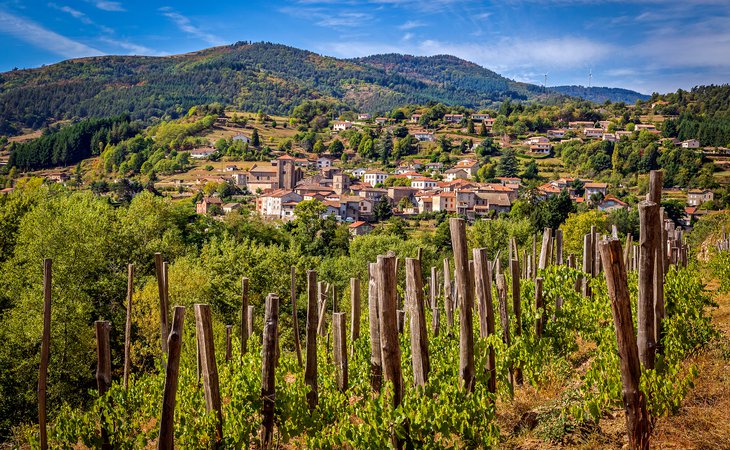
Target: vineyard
[{"x": 417, "y": 357}]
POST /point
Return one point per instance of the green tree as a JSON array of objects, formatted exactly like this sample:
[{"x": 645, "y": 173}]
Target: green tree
[
  {"x": 255, "y": 140},
  {"x": 470, "y": 126},
  {"x": 507, "y": 165},
  {"x": 382, "y": 209},
  {"x": 531, "y": 171},
  {"x": 336, "y": 148}
]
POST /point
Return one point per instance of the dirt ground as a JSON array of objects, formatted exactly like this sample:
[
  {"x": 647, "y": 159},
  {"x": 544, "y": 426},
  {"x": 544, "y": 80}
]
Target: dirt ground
[{"x": 703, "y": 421}]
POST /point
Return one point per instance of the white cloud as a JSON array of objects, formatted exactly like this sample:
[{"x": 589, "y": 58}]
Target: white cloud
[
  {"x": 186, "y": 26},
  {"x": 82, "y": 17},
  {"x": 411, "y": 24},
  {"x": 131, "y": 48},
  {"x": 109, "y": 6},
  {"x": 43, "y": 38}
]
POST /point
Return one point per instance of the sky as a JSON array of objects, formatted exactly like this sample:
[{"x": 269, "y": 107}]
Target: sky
[{"x": 645, "y": 45}]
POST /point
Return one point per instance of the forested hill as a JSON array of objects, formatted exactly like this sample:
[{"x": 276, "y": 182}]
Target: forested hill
[
  {"x": 261, "y": 76},
  {"x": 600, "y": 94}
]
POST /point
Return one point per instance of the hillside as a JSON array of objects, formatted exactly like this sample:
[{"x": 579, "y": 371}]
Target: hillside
[
  {"x": 600, "y": 94},
  {"x": 262, "y": 76}
]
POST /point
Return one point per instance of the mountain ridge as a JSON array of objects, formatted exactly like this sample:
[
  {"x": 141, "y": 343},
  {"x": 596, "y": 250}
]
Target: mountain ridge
[{"x": 273, "y": 78}]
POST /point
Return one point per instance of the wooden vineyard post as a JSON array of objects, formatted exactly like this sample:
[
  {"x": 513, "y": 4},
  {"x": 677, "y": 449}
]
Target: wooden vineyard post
[
  {"x": 504, "y": 315},
  {"x": 517, "y": 307},
  {"x": 540, "y": 320},
  {"x": 448, "y": 299},
  {"x": 433, "y": 288},
  {"x": 483, "y": 283},
  {"x": 103, "y": 369},
  {"x": 389, "y": 343},
  {"x": 128, "y": 324},
  {"x": 637, "y": 417},
  {"x": 322, "y": 294},
  {"x": 356, "y": 311},
  {"x": 419, "y": 340},
  {"x": 268, "y": 369},
  {"x": 559, "y": 247},
  {"x": 294, "y": 315},
  {"x": 310, "y": 370},
  {"x": 533, "y": 275},
  {"x": 656, "y": 180},
  {"x": 587, "y": 264},
  {"x": 249, "y": 325},
  {"x": 648, "y": 212},
  {"x": 229, "y": 328},
  {"x": 339, "y": 329},
  {"x": 401, "y": 319},
  {"x": 45, "y": 352},
  {"x": 166, "y": 439},
  {"x": 545, "y": 250},
  {"x": 627, "y": 251},
  {"x": 245, "y": 331},
  {"x": 376, "y": 361},
  {"x": 208, "y": 366},
  {"x": 466, "y": 294},
  {"x": 160, "y": 272}
]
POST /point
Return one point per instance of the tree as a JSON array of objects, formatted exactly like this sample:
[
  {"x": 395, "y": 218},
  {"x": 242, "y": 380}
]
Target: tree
[
  {"x": 531, "y": 172},
  {"x": 507, "y": 165},
  {"x": 382, "y": 209},
  {"x": 336, "y": 148},
  {"x": 444, "y": 144},
  {"x": 579, "y": 224},
  {"x": 470, "y": 126},
  {"x": 483, "y": 129},
  {"x": 311, "y": 233},
  {"x": 318, "y": 147},
  {"x": 255, "y": 140}
]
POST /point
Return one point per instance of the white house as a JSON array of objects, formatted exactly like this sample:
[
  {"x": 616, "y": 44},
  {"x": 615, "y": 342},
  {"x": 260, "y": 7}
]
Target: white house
[
  {"x": 423, "y": 183},
  {"x": 556, "y": 134},
  {"x": 479, "y": 117},
  {"x": 342, "y": 126},
  {"x": 691, "y": 143},
  {"x": 423, "y": 136},
  {"x": 201, "y": 153},
  {"x": 455, "y": 173},
  {"x": 469, "y": 166},
  {"x": 373, "y": 177},
  {"x": 359, "y": 172},
  {"x": 243, "y": 138},
  {"x": 696, "y": 197},
  {"x": 453, "y": 118},
  {"x": 323, "y": 162},
  {"x": 278, "y": 204},
  {"x": 593, "y": 132},
  {"x": 364, "y": 116}
]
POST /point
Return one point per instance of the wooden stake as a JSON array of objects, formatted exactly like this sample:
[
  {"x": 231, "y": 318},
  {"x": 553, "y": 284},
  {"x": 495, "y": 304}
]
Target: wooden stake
[
  {"x": 295, "y": 315},
  {"x": 638, "y": 424},
  {"x": 587, "y": 263},
  {"x": 245, "y": 330},
  {"x": 128, "y": 324},
  {"x": 401, "y": 315},
  {"x": 45, "y": 352},
  {"x": 517, "y": 307},
  {"x": 466, "y": 294},
  {"x": 545, "y": 249},
  {"x": 483, "y": 282},
  {"x": 559, "y": 247},
  {"x": 310, "y": 371},
  {"x": 648, "y": 212},
  {"x": 376, "y": 362},
  {"x": 539, "y": 322},
  {"x": 322, "y": 308},
  {"x": 419, "y": 340},
  {"x": 166, "y": 439},
  {"x": 229, "y": 328},
  {"x": 355, "y": 308},
  {"x": 268, "y": 369},
  {"x": 160, "y": 271},
  {"x": 208, "y": 366},
  {"x": 389, "y": 326},
  {"x": 103, "y": 370},
  {"x": 448, "y": 299},
  {"x": 249, "y": 325},
  {"x": 339, "y": 328}
]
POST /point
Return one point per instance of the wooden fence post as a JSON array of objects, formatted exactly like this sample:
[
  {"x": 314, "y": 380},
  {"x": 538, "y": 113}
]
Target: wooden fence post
[
  {"x": 559, "y": 247},
  {"x": 540, "y": 320},
  {"x": 545, "y": 250},
  {"x": 533, "y": 275},
  {"x": 389, "y": 342},
  {"x": 376, "y": 361},
  {"x": 517, "y": 307},
  {"x": 103, "y": 369},
  {"x": 310, "y": 370},
  {"x": 401, "y": 320},
  {"x": 245, "y": 331},
  {"x": 268, "y": 369},
  {"x": 483, "y": 282},
  {"x": 322, "y": 294},
  {"x": 249, "y": 325},
  {"x": 295, "y": 315},
  {"x": 656, "y": 182},
  {"x": 166, "y": 439},
  {"x": 587, "y": 263},
  {"x": 45, "y": 352},
  {"x": 466, "y": 294},
  {"x": 339, "y": 345},
  {"x": 229, "y": 328},
  {"x": 128, "y": 325},
  {"x": 627, "y": 251},
  {"x": 648, "y": 212},
  {"x": 504, "y": 315},
  {"x": 419, "y": 340},
  {"x": 208, "y": 366},
  {"x": 160, "y": 272},
  {"x": 433, "y": 288},
  {"x": 637, "y": 418},
  {"x": 448, "y": 299},
  {"x": 355, "y": 309}
]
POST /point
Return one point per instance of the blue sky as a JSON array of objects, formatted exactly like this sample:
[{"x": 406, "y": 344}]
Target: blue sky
[{"x": 646, "y": 45}]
